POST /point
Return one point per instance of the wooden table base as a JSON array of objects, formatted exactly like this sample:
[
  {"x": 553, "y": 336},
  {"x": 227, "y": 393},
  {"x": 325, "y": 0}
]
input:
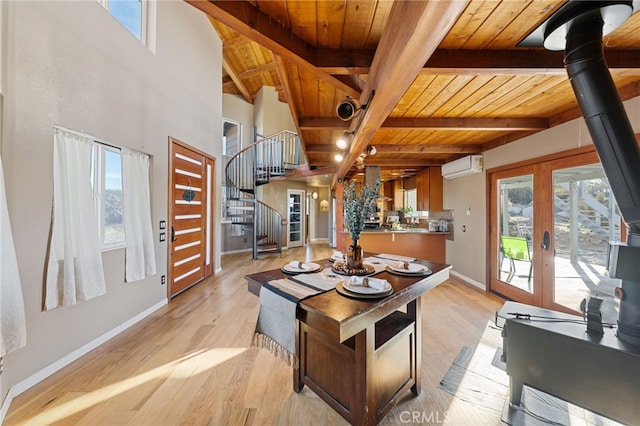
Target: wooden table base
[{"x": 363, "y": 377}]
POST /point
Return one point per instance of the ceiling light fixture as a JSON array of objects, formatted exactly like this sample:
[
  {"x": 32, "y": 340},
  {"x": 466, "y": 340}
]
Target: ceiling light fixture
[
  {"x": 338, "y": 158},
  {"x": 371, "y": 150},
  {"x": 342, "y": 142},
  {"x": 347, "y": 109}
]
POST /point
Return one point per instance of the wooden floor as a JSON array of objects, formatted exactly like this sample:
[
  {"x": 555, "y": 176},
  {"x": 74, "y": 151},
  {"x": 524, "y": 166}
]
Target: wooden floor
[{"x": 191, "y": 363}]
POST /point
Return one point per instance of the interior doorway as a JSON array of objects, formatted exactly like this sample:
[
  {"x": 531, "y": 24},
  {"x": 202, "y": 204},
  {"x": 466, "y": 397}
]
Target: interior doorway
[{"x": 295, "y": 217}]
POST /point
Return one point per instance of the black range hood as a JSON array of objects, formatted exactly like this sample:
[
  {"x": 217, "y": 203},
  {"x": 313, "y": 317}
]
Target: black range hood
[{"x": 578, "y": 28}]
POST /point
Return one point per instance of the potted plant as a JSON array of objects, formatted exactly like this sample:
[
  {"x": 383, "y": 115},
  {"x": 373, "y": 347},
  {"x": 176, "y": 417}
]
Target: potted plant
[
  {"x": 403, "y": 212},
  {"x": 358, "y": 207}
]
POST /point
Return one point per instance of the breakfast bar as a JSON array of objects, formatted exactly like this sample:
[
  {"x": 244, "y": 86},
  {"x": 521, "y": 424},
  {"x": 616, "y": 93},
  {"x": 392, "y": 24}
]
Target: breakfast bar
[{"x": 360, "y": 355}]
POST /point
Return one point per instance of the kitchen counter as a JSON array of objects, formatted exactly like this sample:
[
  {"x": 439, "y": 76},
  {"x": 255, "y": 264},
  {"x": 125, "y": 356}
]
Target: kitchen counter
[
  {"x": 413, "y": 242},
  {"x": 403, "y": 231}
]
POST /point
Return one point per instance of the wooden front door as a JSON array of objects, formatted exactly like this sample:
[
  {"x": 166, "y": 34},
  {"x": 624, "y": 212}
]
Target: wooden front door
[{"x": 190, "y": 216}]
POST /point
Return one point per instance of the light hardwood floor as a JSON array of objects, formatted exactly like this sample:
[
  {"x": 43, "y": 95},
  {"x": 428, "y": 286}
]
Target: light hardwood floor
[{"x": 190, "y": 363}]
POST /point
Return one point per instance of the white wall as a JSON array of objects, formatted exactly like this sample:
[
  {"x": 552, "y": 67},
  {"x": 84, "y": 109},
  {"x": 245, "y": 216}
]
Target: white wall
[
  {"x": 271, "y": 115},
  {"x": 235, "y": 108},
  {"x": 72, "y": 64},
  {"x": 467, "y": 253}
]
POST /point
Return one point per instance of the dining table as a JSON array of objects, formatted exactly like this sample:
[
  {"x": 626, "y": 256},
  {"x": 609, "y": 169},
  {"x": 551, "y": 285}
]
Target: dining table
[{"x": 360, "y": 355}]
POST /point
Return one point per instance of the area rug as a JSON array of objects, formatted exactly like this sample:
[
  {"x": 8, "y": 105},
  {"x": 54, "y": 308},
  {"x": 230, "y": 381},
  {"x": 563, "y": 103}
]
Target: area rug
[{"x": 478, "y": 376}]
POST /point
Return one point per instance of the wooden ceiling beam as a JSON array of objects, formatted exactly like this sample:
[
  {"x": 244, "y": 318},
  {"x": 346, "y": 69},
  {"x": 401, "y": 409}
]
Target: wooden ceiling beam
[
  {"x": 435, "y": 123},
  {"x": 257, "y": 26},
  {"x": 466, "y": 123},
  {"x": 271, "y": 66},
  {"x": 427, "y": 149},
  {"x": 411, "y": 35},
  {"x": 402, "y": 163},
  {"x": 233, "y": 74},
  {"x": 404, "y": 149},
  {"x": 477, "y": 62}
]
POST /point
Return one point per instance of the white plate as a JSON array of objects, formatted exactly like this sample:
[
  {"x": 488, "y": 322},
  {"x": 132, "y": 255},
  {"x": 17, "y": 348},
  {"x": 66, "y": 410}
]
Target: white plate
[
  {"x": 334, "y": 257},
  {"x": 359, "y": 289},
  {"x": 309, "y": 267},
  {"x": 412, "y": 268}
]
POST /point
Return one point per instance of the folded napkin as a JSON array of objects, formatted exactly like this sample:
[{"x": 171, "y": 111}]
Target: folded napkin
[
  {"x": 299, "y": 265},
  {"x": 377, "y": 283},
  {"x": 337, "y": 254},
  {"x": 400, "y": 265}
]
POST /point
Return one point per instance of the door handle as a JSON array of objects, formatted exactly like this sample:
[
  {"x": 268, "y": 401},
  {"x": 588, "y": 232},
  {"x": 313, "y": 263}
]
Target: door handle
[
  {"x": 545, "y": 241},
  {"x": 173, "y": 234}
]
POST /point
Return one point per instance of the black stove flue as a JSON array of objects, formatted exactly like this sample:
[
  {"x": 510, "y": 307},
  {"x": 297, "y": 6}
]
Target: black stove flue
[{"x": 580, "y": 25}]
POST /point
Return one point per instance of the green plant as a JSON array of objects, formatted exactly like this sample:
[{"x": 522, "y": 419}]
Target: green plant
[
  {"x": 359, "y": 206},
  {"x": 406, "y": 210}
]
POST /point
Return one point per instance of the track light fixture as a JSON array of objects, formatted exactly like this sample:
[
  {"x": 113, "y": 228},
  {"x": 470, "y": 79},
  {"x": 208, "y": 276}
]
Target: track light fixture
[
  {"x": 348, "y": 108},
  {"x": 371, "y": 150}
]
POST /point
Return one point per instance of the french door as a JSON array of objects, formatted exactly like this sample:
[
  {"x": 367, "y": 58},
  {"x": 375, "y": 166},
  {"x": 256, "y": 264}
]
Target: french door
[
  {"x": 551, "y": 224},
  {"x": 190, "y": 217},
  {"x": 295, "y": 209}
]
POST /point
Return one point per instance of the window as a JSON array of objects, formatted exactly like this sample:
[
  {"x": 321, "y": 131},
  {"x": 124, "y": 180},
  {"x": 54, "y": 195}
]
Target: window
[
  {"x": 106, "y": 172},
  {"x": 130, "y": 13},
  {"x": 410, "y": 199}
]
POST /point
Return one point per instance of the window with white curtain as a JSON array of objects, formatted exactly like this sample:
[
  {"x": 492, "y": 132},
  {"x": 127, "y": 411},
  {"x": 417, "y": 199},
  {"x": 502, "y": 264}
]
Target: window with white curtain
[{"x": 101, "y": 194}]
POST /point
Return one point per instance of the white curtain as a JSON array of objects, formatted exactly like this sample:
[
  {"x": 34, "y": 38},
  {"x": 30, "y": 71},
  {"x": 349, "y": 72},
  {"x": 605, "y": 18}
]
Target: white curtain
[
  {"x": 140, "y": 258},
  {"x": 74, "y": 270},
  {"x": 13, "y": 328}
]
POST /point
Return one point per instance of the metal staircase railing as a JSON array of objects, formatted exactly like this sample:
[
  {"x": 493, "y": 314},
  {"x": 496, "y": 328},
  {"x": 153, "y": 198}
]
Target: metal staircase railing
[{"x": 272, "y": 156}]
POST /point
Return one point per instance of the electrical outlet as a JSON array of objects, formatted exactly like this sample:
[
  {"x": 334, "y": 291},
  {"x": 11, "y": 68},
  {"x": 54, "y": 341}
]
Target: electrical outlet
[
  {"x": 163, "y": 280},
  {"x": 245, "y": 239}
]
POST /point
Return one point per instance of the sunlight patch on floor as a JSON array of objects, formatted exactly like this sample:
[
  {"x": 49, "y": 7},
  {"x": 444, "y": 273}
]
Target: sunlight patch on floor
[{"x": 187, "y": 366}]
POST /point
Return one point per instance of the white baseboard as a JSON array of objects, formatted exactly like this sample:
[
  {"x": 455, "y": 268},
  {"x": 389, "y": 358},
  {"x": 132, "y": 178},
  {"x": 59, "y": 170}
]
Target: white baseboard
[
  {"x": 68, "y": 359},
  {"x": 243, "y": 250},
  {"x": 469, "y": 280}
]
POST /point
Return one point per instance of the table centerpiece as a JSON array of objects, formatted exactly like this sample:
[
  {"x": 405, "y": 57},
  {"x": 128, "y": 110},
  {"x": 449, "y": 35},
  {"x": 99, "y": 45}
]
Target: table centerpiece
[{"x": 358, "y": 208}]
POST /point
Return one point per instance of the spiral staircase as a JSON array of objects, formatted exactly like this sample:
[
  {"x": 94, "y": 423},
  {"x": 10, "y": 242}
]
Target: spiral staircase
[{"x": 271, "y": 157}]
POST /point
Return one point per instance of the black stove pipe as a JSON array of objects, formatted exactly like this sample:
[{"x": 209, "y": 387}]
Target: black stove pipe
[{"x": 615, "y": 142}]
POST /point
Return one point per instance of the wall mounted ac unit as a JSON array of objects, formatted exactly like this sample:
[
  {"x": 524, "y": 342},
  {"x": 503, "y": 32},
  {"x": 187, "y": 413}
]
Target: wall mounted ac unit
[{"x": 462, "y": 167}]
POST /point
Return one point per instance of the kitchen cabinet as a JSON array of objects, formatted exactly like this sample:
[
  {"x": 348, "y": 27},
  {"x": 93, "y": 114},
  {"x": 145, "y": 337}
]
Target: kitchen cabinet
[{"x": 429, "y": 189}]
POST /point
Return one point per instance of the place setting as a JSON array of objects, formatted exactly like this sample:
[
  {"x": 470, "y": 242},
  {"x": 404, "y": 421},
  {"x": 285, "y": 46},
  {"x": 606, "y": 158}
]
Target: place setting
[
  {"x": 297, "y": 267},
  {"x": 411, "y": 269},
  {"x": 364, "y": 287}
]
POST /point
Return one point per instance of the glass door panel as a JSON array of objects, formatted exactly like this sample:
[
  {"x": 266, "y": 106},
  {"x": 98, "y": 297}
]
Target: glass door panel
[
  {"x": 585, "y": 220},
  {"x": 295, "y": 212},
  {"x": 515, "y": 209}
]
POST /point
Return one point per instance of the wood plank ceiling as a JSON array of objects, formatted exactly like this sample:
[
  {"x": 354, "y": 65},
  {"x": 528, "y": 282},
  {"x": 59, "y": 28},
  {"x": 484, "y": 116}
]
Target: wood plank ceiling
[{"x": 448, "y": 77}]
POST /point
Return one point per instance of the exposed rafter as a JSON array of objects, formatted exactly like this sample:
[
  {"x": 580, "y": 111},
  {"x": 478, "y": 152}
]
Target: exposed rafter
[
  {"x": 412, "y": 33},
  {"x": 477, "y": 62},
  {"x": 405, "y": 149},
  {"x": 249, "y": 21},
  {"x": 436, "y": 123}
]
